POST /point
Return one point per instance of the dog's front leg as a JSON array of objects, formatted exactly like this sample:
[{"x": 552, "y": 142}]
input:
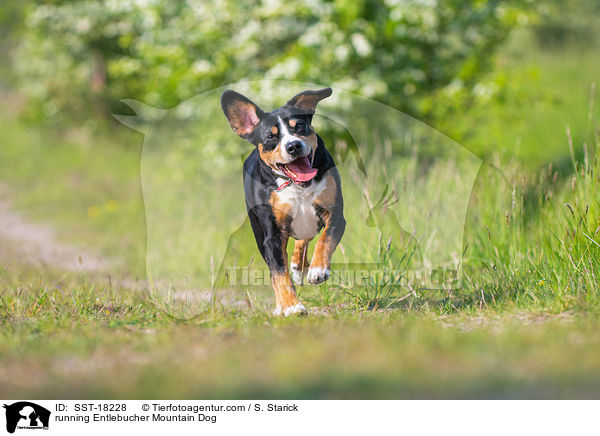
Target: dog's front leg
[
  {"x": 335, "y": 224},
  {"x": 299, "y": 265},
  {"x": 286, "y": 300}
]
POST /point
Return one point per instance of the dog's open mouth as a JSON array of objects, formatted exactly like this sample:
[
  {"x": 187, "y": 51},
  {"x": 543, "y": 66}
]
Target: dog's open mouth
[{"x": 299, "y": 170}]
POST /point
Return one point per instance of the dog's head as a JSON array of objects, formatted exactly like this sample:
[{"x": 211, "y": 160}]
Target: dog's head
[{"x": 284, "y": 137}]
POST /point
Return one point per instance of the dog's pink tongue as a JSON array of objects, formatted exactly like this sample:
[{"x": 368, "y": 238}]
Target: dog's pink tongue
[{"x": 301, "y": 167}]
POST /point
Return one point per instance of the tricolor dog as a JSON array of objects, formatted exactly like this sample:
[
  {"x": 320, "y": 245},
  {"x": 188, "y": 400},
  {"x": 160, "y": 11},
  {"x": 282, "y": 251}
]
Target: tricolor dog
[{"x": 292, "y": 189}]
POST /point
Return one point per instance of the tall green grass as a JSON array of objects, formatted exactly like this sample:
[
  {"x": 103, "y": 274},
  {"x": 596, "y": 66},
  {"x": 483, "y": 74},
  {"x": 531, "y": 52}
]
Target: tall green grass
[{"x": 534, "y": 239}]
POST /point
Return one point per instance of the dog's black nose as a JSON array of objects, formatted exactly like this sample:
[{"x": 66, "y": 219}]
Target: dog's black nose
[{"x": 294, "y": 147}]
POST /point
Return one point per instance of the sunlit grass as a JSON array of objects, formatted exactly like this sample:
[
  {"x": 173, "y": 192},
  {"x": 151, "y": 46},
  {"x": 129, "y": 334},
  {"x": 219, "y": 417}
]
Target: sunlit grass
[{"x": 100, "y": 343}]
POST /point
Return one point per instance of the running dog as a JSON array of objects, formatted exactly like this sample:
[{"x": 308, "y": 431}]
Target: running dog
[{"x": 292, "y": 189}]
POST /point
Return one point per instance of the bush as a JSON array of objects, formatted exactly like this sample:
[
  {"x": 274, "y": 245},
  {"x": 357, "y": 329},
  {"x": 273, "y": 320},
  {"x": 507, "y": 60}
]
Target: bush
[{"x": 86, "y": 53}]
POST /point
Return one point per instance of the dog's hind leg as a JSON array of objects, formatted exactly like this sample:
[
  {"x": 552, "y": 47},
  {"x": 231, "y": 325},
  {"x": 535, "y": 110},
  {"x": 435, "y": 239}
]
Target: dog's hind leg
[{"x": 299, "y": 264}]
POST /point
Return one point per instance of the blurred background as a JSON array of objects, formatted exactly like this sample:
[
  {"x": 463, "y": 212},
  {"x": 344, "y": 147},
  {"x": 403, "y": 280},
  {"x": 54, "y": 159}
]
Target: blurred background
[{"x": 71, "y": 62}]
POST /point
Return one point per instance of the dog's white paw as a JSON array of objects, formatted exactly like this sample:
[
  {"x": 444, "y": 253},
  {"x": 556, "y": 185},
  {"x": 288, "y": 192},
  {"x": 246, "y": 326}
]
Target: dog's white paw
[
  {"x": 297, "y": 308},
  {"x": 297, "y": 274},
  {"x": 278, "y": 312},
  {"x": 317, "y": 275}
]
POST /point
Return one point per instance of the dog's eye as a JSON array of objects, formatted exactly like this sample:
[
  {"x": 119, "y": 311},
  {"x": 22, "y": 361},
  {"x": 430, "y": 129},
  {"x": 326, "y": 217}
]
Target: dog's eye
[
  {"x": 301, "y": 128},
  {"x": 271, "y": 137}
]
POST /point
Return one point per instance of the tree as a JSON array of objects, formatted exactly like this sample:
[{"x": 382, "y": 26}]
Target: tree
[{"x": 165, "y": 51}]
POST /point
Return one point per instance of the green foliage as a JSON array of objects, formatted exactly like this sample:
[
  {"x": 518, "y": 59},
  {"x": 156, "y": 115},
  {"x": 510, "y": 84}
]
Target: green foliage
[
  {"x": 164, "y": 51},
  {"x": 11, "y": 18},
  {"x": 11, "y": 25},
  {"x": 521, "y": 109},
  {"x": 534, "y": 239},
  {"x": 568, "y": 21}
]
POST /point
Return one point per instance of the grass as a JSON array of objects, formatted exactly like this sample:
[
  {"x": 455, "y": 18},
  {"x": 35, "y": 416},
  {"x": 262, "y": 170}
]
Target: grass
[
  {"x": 98, "y": 343},
  {"x": 84, "y": 182},
  {"x": 523, "y": 324},
  {"x": 380, "y": 290}
]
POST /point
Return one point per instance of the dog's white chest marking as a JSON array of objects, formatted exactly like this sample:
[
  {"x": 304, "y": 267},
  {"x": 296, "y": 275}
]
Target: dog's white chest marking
[{"x": 305, "y": 222}]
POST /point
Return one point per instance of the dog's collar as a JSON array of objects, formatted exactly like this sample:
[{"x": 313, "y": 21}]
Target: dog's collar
[{"x": 284, "y": 184}]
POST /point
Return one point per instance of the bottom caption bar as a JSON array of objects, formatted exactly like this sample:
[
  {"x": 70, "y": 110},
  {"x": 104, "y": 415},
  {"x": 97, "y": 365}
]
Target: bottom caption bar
[{"x": 296, "y": 417}]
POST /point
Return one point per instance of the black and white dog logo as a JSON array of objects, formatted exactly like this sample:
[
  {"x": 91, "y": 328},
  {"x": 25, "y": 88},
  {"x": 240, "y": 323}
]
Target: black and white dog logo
[{"x": 26, "y": 415}]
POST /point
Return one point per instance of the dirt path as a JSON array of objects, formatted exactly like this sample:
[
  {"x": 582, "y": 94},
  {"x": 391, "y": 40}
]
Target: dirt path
[{"x": 24, "y": 241}]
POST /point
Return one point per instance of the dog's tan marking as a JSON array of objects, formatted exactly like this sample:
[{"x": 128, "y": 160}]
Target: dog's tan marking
[
  {"x": 328, "y": 201},
  {"x": 292, "y": 122},
  {"x": 299, "y": 263},
  {"x": 270, "y": 157},
  {"x": 300, "y": 255},
  {"x": 324, "y": 247},
  {"x": 285, "y": 293},
  {"x": 274, "y": 130},
  {"x": 281, "y": 210},
  {"x": 328, "y": 197},
  {"x": 284, "y": 289}
]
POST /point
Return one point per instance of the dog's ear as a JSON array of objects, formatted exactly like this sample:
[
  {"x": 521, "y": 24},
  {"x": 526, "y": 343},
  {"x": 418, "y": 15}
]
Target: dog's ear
[
  {"x": 242, "y": 114},
  {"x": 308, "y": 100}
]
